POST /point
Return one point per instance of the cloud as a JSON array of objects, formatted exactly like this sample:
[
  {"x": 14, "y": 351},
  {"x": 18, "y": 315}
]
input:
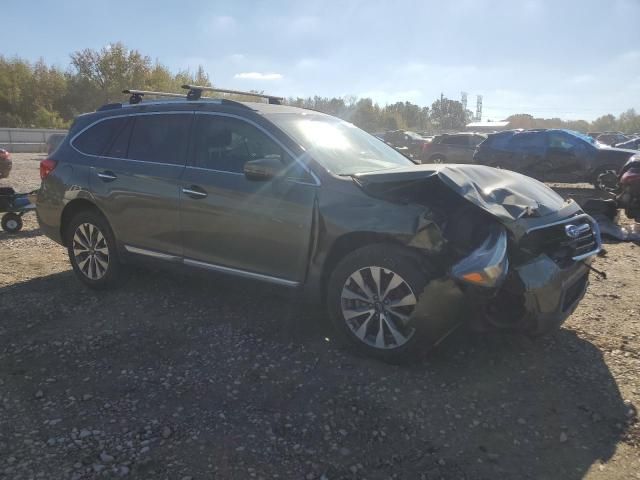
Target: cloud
[
  {"x": 224, "y": 22},
  {"x": 258, "y": 76},
  {"x": 582, "y": 79},
  {"x": 236, "y": 57}
]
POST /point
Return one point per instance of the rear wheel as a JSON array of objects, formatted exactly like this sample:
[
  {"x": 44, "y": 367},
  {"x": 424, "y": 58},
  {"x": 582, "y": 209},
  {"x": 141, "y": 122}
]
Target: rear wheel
[
  {"x": 11, "y": 222},
  {"x": 92, "y": 250},
  {"x": 371, "y": 296},
  {"x": 438, "y": 159}
]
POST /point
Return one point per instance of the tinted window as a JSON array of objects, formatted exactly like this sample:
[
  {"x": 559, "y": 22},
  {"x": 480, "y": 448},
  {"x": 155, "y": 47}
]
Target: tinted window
[
  {"x": 226, "y": 144},
  {"x": 119, "y": 145},
  {"x": 160, "y": 138},
  {"x": 561, "y": 141},
  {"x": 498, "y": 140},
  {"x": 461, "y": 140},
  {"x": 528, "y": 141},
  {"x": 97, "y": 139}
]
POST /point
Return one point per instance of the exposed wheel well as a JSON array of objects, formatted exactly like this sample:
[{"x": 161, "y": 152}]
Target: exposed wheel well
[
  {"x": 347, "y": 244},
  {"x": 70, "y": 210}
]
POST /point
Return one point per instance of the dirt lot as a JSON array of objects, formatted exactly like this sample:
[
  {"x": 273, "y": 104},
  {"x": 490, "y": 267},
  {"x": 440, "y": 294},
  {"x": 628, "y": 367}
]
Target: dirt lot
[{"x": 184, "y": 376}]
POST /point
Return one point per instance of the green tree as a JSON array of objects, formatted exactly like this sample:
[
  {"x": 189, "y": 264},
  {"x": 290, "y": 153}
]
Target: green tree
[{"x": 448, "y": 114}]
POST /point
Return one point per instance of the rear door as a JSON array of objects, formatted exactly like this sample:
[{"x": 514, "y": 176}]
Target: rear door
[
  {"x": 233, "y": 224},
  {"x": 136, "y": 181},
  {"x": 567, "y": 156},
  {"x": 528, "y": 151}
]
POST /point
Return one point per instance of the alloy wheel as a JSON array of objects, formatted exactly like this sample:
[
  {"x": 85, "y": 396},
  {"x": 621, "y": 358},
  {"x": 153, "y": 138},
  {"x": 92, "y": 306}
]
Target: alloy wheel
[
  {"x": 377, "y": 304},
  {"x": 90, "y": 251},
  {"x": 12, "y": 224}
]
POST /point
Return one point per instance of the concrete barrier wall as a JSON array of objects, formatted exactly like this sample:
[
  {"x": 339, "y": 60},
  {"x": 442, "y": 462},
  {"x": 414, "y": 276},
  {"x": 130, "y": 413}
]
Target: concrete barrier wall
[{"x": 26, "y": 140}]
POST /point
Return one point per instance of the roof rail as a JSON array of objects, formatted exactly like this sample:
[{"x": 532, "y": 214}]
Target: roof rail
[
  {"x": 136, "y": 95},
  {"x": 195, "y": 92}
]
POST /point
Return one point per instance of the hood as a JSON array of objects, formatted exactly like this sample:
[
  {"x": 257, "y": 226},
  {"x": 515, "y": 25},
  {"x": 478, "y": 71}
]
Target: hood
[
  {"x": 611, "y": 153},
  {"x": 507, "y": 195}
]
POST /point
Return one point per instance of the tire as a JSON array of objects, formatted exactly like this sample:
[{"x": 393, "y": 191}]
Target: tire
[
  {"x": 402, "y": 339},
  {"x": 438, "y": 159},
  {"x": 599, "y": 175},
  {"x": 12, "y": 222},
  {"x": 92, "y": 250}
]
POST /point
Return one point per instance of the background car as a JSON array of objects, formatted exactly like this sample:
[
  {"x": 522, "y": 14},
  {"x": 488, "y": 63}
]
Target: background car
[
  {"x": 451, "y": 148},
  {"x": 5, "y": 163},
  {"x": 551, "y": 155},
  {"x": 612, "y": 138},
  {"x": 406, "y": 141},
  {"x": 633, "y": 144}
]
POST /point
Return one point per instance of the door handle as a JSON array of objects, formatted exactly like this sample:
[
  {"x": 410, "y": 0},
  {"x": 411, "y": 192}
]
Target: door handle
[
  {"x": 107, "y": 176},
  {"x": 194, "y": 192}
]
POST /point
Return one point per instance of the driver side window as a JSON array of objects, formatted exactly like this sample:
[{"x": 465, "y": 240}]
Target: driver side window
[
  {"x": 226, "y": 144},
  {"x": 559, "y": 141}
]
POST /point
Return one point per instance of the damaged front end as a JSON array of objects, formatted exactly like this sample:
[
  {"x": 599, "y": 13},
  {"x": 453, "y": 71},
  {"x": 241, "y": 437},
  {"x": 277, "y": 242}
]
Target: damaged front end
[{"x": 516, "y": 254}]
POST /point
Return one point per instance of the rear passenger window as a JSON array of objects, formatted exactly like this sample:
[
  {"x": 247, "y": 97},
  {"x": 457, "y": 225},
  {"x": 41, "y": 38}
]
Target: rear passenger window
[
  {"x": 461, "y": 140},
  {"x": 160, "y": 138},
  {"x": 96, "y": 139},
  {"x": 528, "y": 141}
]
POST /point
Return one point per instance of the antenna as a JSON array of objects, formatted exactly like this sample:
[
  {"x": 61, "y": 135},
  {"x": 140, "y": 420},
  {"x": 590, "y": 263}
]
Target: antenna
[
  {"x": 195, "y": 93},
  {"x": 479, "y": 108},
  {"x": 136, "y": 95}
]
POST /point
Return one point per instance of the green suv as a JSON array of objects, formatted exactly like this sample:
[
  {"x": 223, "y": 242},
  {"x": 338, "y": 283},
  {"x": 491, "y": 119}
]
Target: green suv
[{"x": 400, "y": 254}]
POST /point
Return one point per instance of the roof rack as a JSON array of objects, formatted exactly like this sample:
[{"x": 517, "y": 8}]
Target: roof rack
[
  {"x": 136, "y": 95},
  {"x": 195, "y": 92}
]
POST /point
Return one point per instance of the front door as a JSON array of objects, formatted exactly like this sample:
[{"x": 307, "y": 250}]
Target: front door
[{"x": 231, "y": 223}]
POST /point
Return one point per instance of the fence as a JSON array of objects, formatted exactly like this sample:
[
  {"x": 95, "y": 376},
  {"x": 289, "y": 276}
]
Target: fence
[{"x": 26, "y": 140}]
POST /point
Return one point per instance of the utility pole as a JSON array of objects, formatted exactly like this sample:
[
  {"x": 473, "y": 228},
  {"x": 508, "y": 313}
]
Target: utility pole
[{"x": 441, "y": 109}]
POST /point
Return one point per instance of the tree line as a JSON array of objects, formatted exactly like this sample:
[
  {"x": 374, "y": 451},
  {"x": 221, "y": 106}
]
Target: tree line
[{"x": 45, "y": 96}]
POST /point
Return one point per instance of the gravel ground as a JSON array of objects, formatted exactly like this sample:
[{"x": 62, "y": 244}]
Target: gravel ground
[{"x": 187, "y": 376}]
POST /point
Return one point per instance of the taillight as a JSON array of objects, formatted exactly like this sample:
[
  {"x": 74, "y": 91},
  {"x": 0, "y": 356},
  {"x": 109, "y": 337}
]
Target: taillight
[
  {"x": 630, "y": 176},
  {"x": 46, "y": 167},
  {"x": 4, "y": 155}
]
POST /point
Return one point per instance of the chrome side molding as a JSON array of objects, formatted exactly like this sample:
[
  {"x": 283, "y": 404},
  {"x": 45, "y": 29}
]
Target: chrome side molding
[{"x": 210, "y": 266}]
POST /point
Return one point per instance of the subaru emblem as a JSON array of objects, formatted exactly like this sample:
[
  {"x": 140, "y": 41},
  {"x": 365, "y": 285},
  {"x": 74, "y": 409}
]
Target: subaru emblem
[{"x": 574, "y": 231}]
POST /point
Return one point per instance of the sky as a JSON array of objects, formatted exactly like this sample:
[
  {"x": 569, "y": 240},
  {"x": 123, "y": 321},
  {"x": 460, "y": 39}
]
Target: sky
[{"x": 550, "y": 58}]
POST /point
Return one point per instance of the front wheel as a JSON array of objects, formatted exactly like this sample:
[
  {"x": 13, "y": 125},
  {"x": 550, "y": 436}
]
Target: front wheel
[
  {"x": 11, "y": 222},
  {"x": 371, "y": 296},
  {"x": 92, "y": 250},
  {"x": 438, "y": 159}
]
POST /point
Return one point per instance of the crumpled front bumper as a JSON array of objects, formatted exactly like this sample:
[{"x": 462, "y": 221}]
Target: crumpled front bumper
[
  {"x": 489, "y": 292},
  {"x": 538, "y": 296}
]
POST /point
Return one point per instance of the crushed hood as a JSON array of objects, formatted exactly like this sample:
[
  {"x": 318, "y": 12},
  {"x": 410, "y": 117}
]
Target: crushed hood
[{"x": 507, "y": 195}]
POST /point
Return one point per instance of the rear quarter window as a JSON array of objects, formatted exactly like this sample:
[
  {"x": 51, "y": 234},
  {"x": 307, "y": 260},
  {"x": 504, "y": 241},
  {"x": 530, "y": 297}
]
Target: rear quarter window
[
  {"x": 498, "y": 141},
  {"x": 96, "y": 139}
]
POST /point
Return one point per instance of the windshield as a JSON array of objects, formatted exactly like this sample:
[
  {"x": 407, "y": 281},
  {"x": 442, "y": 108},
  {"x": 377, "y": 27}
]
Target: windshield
[{"x": 339, "y": 146}]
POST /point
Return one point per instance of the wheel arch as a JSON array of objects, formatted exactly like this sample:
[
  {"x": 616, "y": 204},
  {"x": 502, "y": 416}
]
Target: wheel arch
[
  {"x": 346, "y": 244},
  {"x": 71, "y": 209}
]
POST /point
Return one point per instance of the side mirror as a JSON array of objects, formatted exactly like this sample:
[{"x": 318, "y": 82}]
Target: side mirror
[{"x": 263, "y": 168}]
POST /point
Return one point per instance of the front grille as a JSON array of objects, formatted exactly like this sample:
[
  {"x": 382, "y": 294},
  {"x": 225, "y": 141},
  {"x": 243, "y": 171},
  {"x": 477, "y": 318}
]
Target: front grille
[{"x": 557, "y": 242}]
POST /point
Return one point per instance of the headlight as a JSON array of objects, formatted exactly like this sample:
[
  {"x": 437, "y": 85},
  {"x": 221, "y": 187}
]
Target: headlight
[{"x": 488, "y": 264}]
